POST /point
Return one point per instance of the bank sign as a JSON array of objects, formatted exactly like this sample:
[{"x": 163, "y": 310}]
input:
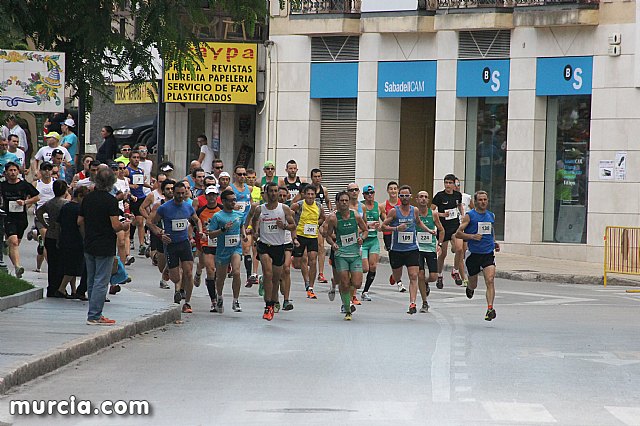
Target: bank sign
[
  {"x": 407, "y": 79},
  {"x": 569, "y": 75},
  {"x": 482, "y": 78},
  {"x": 227, "y": 75}
]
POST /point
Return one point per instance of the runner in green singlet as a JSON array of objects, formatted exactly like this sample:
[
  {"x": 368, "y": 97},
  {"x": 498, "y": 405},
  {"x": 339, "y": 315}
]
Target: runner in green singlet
[
  {"x": 371, "y": 246},
  {"x": 428, "y": 247}
]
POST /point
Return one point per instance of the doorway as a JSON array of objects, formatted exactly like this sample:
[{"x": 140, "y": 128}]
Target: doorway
[{"x": 417, "y": 136}]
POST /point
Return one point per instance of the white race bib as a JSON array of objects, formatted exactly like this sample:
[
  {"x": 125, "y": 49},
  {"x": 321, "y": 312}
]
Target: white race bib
[
  {"x": 14, "y": 207},
  {"x": 232, "y": 240},
  {"x": 242, "y": 206},
  {"x": 212, "y": 242},
  {"x": 348, "y": 240},
  {"x": 484, "y": 228},
  {"x": 425, "y": 237},
  {"x": 451, "y": 214},
  {"x": 372, "y": 224},
  {"x": 271, "y": 228},
  {"x": 405, "y": 237},
  {"x": 179, "y": 225},
  {"x": 310, "y": 229},
  {"x": 137, "y": 179}
]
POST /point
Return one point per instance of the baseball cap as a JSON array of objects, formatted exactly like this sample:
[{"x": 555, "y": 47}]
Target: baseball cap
[
  {"x": 56, "y": 152},
  {"x": 54, "y": 135},
  {"x": 69, "y": 122},
  {"x": 268, "y": 163},
  {"x": 368, "y": 188},
  {"x": 211, "y": 189},
  {"x": 166, "y": 167},
  {"x": 224, "y": 174}
]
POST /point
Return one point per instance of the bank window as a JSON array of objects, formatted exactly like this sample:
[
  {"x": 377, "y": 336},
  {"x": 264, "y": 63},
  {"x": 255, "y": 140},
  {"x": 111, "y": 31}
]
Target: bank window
[
  {"x": 566, "y": 171},
  {"x": 486, "y": 157}
]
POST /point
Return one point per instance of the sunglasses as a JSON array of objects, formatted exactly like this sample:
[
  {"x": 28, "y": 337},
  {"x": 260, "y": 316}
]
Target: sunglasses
[
  {"x": 269, "y": 168},
  {"x": 142, "y": 150},
  {"x": 231, "y": 200},
  {"x": 126, "y": 149},
  {"x": 241, "y": 174},
  {"x": 369, "y": 192},
  {"x": 404, "y": 195},
  {"x": 353, "y": 189},
  {"x": 218, "y": 168},
  {"x": 122, "y": 168}
]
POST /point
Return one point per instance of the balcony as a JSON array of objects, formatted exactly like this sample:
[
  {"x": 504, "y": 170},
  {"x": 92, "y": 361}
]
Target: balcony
[
  {"x": 314, "y": 7},
  {"x": 556, "y": 13}
]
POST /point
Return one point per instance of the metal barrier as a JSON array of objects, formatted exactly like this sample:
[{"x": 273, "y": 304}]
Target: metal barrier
[{"x": 621, "y": 251}]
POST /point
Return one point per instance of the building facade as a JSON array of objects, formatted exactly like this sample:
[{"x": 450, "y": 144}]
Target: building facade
[{"x": 534, "y": 101}]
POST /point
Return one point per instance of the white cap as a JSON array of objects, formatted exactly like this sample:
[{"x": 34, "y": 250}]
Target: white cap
[
  {"x": 69, "y": 122},
  {"x": 211, "y": 189}
]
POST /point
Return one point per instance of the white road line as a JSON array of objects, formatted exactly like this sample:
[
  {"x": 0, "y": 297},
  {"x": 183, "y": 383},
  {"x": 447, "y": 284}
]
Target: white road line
[
  {"x": 518, "y": 412},
  {"x": 441, "y": 362},
  {"x": 627, "y": 415}
]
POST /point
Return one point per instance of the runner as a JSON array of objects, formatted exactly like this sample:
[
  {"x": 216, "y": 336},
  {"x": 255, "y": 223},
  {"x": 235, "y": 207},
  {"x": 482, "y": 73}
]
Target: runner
[
  {"x": 354, "y": 204},
  {"x": 371, "y": 246},
  {"x": 467, "y": 202},
  {"x": 427, "y": 246},
  {"x": 208, "y": 244},
  {"x": 158, "y": 257},
  {"x": 44, "y": 185},
  {"x": 85, "y": 172},
  {"x": 136, "y": 184},
  {"x": 125, "y": 154},
  {"x": 228, "y": 227},
  {"x": 53, "y": 142},
  {"x": 285, "y": 281},
  {"x": 123, "y": 195},
  {"x": 243, "y": 205},
  {"x": 322, "y": 196},
  {"x": 17, "y": 197},
  {"x": 347, "y": 225},
  {"x": 310, "y": 216},
  {"x": 176, "y": 215},
  {"x": 292, "y": 181},
  {"x": 146, "y": 165},
  {"x": 197, "y": 204},
  {"x": 12, "y": 148},
  {"x": 477, "y": 228},
  {"x": 218, "y": 167},
  {"x": 272, "y": 220},
  {"x": 256, "y": 198},
  {"x": 389, "y": 204},
  {"x": 196, "y": 183},
  {"x": 224, "y": 180},
  {"x": 449, "y": 205},
  {"x": 5, "y": 156},
  {"x": 402, "y": 221},
  {"x": 269, "y": 170}
]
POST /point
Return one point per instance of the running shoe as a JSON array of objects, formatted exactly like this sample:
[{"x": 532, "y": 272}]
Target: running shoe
[
  {"x": 164, "y": 285},
  {"x": 236, "y": 306},
  {"x": 352, "y": 309},
  {"x": 132, "y": 246},
  {"x": 147, "y": 252},
  {"x": 276, "y": 307},
  {"x": 214, "y": 308},
  {"x": 332, "y": 294},
  {"x": 268, "y": 313},
  {"x": 322, "y": 279},
  {"x": 456, "y": 277},
  {"x": 401, "y": 288},
  {"x": 365, "y": 296},
  {"x": 183, "y": 294},
  {"x": 101, "y": 321},
  {"x": 355, "y": 301},
  {"x": 311, "y": 294},
  {"x": 348, "y": 316},
  {"x": 186, "y": 309},
  {"x": 428, "y": 290},
  {"x": 440, "y": 283},
  {"x": 469, "y": 292},
  {"x": 129, "y": 260},
  {"x": 287, "y": 305},
  {"x": 141, "y": 250},
  {"x": 412, "y": 309},
  {"x": 220, "y": 306},
  {"x": 114, "y": 289},
  {"x": 425, "y": 307},
  {"x": 253, "y": 280},
  {"x": 197, "y": 279},
  {"x": 392, "y": 280},
  {"x": 491, "y": 314},
  {"x": 19, "y": 271},
  {"x": 260, "y": 286},
  {"x": 177, "y": 297},
  {"x": 30, "y": 235},
  {"x": 465, "y": 282}
]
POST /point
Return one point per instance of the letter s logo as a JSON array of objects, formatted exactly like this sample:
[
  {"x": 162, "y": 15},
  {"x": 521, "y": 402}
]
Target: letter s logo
[
  {"x": 495, "y": 78},
  {"x": 577, "y": 76}
]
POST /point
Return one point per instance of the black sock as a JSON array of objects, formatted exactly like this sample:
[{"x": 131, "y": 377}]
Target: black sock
[
  {"x": 248, "y": 264},
  {"x": 211, "y": 288},
  {"x": 371, "y": 275}
]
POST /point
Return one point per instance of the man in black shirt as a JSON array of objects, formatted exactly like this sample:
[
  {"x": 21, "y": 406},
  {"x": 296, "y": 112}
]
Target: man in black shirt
[
  {"x": 17, "y": 197},
  {"x": 99, "y": 223},
  {"x": 449, "y": 205}
]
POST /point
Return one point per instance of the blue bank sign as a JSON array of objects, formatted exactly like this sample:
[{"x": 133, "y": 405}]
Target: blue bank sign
[
  {"x": 334, "y": 80},
  {"x": 407, "y": 79},
  {"x": 570, "y": 75},
  {"x": 482, "y": 78}
]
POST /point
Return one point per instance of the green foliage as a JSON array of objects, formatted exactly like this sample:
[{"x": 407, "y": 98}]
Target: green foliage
[
  {"x": 88, "y": 31},
  {"x": 11, "y": 285}
]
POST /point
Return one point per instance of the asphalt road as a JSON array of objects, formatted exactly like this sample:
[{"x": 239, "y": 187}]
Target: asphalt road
[{"x": 556, "y": 353}]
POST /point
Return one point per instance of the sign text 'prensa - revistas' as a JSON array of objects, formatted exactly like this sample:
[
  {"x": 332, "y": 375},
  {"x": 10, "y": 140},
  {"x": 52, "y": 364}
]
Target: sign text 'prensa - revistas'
[{"x": 226, "y": 75}]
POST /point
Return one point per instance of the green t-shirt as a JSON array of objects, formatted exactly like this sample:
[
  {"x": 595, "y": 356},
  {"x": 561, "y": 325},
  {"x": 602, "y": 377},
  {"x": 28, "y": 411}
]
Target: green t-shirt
[
  {"x": 372, "y": 215},
  {"x": 347, "y": 236},
  {"x": 427, "y": 241}
]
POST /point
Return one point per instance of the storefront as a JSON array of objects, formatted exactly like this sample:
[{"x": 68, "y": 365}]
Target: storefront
[
  {"x": 485, "y": 85},
  {"x": 567, "y": 84}
]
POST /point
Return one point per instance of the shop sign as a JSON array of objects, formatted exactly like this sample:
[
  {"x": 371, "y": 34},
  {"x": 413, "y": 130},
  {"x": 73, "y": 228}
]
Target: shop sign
[
  {"x": 334, "y": 80},
  {"x": 482, "y": 78},
  {"x": 407, "y": 79},
  {"x": 570, "y": 75},
  {"x": 388, "y": 6},
  {"x": 31, "y": 81},
  {"x": 226, "y": 75},
  {"x": 127, "y": 93}
]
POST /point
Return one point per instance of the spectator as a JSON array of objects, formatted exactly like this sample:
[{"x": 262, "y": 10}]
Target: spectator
[
  {"x": 125, "y": 153},
  {"x": 70, "y": 142},
  {"x": 99, "y": 222},
  {"x": 5, "y": 155},
  {"x": 15, "y": 129},
  {"x": 109, "y": 147},
  {"x": 70, "y": 243}
]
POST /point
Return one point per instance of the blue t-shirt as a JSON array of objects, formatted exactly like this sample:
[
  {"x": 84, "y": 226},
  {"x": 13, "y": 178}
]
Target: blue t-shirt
[
  {"x": 6, "y": 158},
  {"x": 404, "y": 240},
  {"x": 72, "y": 140},
  {"x": 139, "y": 191},
  {"x": 481, "y": 224},
  {"x": 244, "y": 199},
  {"x": 229, "y": 241},
  {"x": 175, "y": 219}
]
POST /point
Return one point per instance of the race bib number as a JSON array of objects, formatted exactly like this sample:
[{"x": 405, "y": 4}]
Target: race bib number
[
  {"x": 405, "y": 237},
  {"x": 451, "y": 214},
  {"x": 484, "y": 228},
  {"x": 348, "y": 240},
  {"x": 179, "y": 225},
  {"x": 271, "y": 228},
  {"x": 372, "y": 224},
  {"x": 14, "y": 207},
  {"x": 425, "y": 237},
  {"x": 212, "y": 242},
  {"x": 232, "y": 240},
  {"x": 310, "y": 229},
  {"x": 137, "y": 179},
  {"x": 242, "y": 206}
]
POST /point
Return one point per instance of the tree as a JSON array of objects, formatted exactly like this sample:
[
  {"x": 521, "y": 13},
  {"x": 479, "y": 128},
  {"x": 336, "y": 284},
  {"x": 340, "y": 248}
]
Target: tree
[{"x": 88, "y": 31}]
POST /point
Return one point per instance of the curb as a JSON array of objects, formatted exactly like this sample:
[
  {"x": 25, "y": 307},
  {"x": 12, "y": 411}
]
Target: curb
[
  {"x": 21, "y": 298},
  {"x": 86, "y": 345}
]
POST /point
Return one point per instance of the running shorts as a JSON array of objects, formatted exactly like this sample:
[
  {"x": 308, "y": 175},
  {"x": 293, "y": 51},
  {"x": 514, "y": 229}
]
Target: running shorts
[
  {"x": 398, "y": 259},
  {"x": 178, "y": 252},
  {"x": 431, "y": 260},
  {"x": 209, "y": 250},
  {"x": 134, "y": 207},
  {"x": 309, "y": 244},
  {"x": 15, "y": 226},
  {"x": 348, "y": 264},
  {"x": 478, "y": 261},
  {"x": 387, "y": 241},
  {"x": 276, "y": 253},
  {"x": 370, "y": 246}
]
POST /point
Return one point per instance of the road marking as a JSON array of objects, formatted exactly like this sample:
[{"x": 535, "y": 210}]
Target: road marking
[
  {"x": 441, "y": 362},
  {"x": 460, "y": 364},
  {"x": 627, "y": 415},
  {"x": 463, "y": 388},
  {"x": 518, "y": 412},
  {"x": 461, "y": 376},
  {"x": 603, "y": 357}
]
